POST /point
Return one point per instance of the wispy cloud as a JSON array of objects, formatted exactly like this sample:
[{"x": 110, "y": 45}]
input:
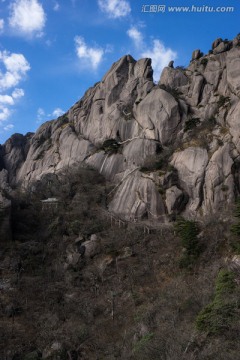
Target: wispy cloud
[
  {"x": 56, "y": 6},
  {"x": 160, "y": 56},
  {"x": 115, "y": 8},
  {"x": 43, "y": 116},
  {"x": 17, "y": 93},
  {"x": 157, "y": 51},
  {"x": 136, "y": 36},
  {"x": 7, "y": 101},
  {"x": 27, "y": 17},
  {"x": 1, "y": 25},
  {"x": 57, "y": 112},
  {"x": 8, "y": 127},
  {"x": 4, "y": 113},
  {"x": 89, "y": 55},
  {"x": 15, "y": 69}
]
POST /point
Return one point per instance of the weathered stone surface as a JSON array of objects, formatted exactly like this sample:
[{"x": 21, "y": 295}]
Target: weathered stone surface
[
  {"x": 137, "y": 198},
  {"x": 15, "y": 152},
  {"x": 236, "y": 40},
  {"x": 195, "y": 90},
  {"x": 233, "y": 122},
  {"x": 233, "y": 66},
  {"x": 159, "y": 113},
  {"x": 223, "y": 46},
  {"x": 219, "y": 184},
  {"x": 216, "y": 43},
  {"x": 175, "y": 200},
  {"x": 144, "y": 119},
  {"x": 108, "y": 165},
  {"x": 196, "y": 54},
  {"x": 53, "y": 351},
  {"x": 191, "y": 164},
  {"x": 92, "y": 246},
  {"x": 173, "y": 78}
]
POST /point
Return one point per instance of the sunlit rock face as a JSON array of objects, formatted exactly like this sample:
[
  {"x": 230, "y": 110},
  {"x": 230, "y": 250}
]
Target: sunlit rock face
[{"x": 186, "y": 127}]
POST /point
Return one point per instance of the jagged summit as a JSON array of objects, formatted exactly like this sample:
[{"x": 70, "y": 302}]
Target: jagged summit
[{"x": 169, "y": 148}]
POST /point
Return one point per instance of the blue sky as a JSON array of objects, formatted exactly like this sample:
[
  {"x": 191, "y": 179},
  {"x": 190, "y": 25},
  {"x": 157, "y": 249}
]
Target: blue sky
[{"x": 52, "y": 51}]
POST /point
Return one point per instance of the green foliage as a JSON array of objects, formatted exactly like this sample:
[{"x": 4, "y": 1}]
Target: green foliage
[
  {"x": 35, "y": 355},
  {"x": 188, "y": 231},
  {"x": 2, "y": 215},
  {"x": 223, "y": 100},
  {"x": 74, "y": 227},
  {"x": 224, "y": 187},
  {"x": 212, "y": 121},
  {"x": 110, "y": 146},
  {"x": 218, "y": 316},
  {"x": 160, "y": 161},
  {"x": 191, "y": 124},
  {"x": 143, "y": 342},
  {"x": 235, "y": 229},
  {"x": 174, "y": 92},
  {"x": 225, "y": 283},
  {"x": 215, "y": 317}
]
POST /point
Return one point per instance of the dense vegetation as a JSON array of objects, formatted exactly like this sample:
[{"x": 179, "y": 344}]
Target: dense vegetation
[{"x": 76, "y": 286}]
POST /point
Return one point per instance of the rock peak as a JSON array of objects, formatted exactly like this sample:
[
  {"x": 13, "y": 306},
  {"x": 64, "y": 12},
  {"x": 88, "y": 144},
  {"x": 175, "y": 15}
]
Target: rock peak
[{"x": 168, "y": 148}]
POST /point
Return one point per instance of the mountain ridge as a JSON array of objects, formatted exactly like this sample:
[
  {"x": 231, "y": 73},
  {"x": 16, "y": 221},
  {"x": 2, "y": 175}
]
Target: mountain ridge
[{"x": 173, "y": 147}]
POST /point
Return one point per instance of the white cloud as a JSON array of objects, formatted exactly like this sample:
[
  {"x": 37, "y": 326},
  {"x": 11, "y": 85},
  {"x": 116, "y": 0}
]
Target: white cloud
[
  {"x": 4, "y": 113},
  {"x": 56, "y": 6},
  {"x": 6, "y": 99},
  {"x": 17, "y": 93},
  {"x": 136, "y": 36},
  {"x": 16, "y": 67},
  {"x": 27, "y": 17},
  {"x": 115, "y": 8},
  {"x": 1, "y": 25},
  {"x": 91, "y": 55},
  {"x": 41, "y": 115},
  {"x": 8, "y": 127},
  {"x": 13, "y": 69},
  {"x": 57, "y": 112},
  {"x": 160, "y": 56}
]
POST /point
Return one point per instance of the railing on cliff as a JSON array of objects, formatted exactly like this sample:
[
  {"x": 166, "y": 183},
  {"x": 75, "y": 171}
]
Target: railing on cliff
[{"x": 147, "y": 226}]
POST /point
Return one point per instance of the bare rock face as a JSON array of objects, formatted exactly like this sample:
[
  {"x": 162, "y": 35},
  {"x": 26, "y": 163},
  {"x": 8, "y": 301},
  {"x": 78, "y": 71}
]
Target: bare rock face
[
  {"x": 223, "y": 46},
  {"x": 191, "y": 164},
  {"x": 219, "y": 184},
  {"x": 216, "y": 43},
  {"x": 15, "y": 153},
  {"x": 173, "y": 78},
  {"x": 233, "y": 73},
  {"x": 137, "y": 198},
  {"x": 192, "y": 115},
  {"x": 5, "y": 218},
  {"x": 158, "y": 115},
  {"x": 196, "y": 54},
  {"x": 175, "y": 200}
]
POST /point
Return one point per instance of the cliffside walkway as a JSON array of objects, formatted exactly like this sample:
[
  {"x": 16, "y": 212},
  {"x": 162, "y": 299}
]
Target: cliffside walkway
[{"x": 147, "y": 226}]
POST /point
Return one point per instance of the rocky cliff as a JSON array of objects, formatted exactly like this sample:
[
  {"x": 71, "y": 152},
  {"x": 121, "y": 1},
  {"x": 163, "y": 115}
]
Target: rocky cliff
[{"x": 169, "y": 148}]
